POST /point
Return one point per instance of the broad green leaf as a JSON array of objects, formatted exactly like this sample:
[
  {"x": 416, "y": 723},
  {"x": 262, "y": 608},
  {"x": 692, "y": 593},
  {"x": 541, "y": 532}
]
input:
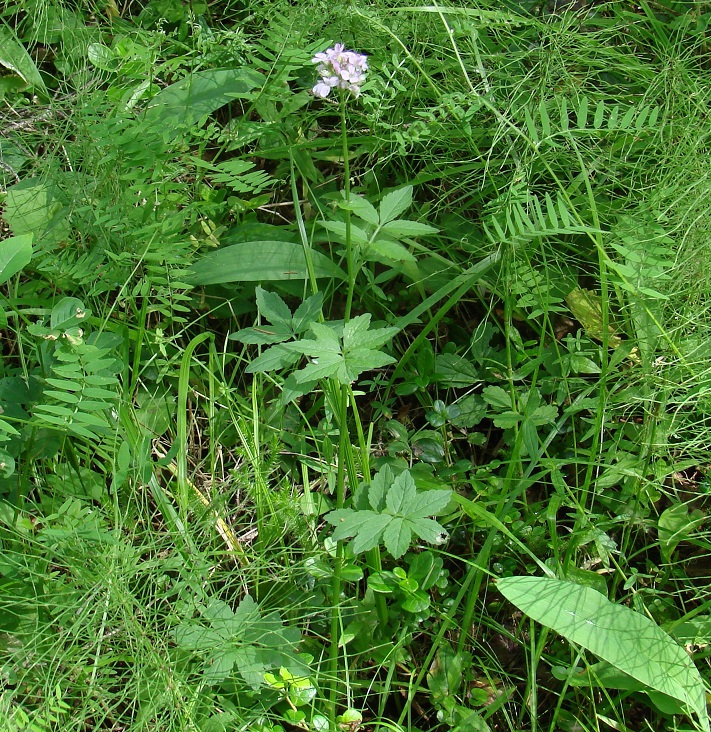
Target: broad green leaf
[
  {"x": 497, "y": 397},
  {"x": 15, "y": 253},
  {"x": 15, "y": 58},
  {"x": 194, "y": 637},
  {"x": 402, "y": 228},
  {"x": 396, "y": 537},
  {"x": 274, "y": 358},
  {"x": 355, "y": 329},
  {"x": 401, "y": 494},
  {"x": 428, "y": 530},
  {"x": 371, "y": 533},
  {"x": 201, "y": 93},
  {"x": 257, "y": 261},
  {"x": 362, "y": 208},
  {"x": 33, "y": 207},
  {"x": 250, "y": 665},
  {"x": 428, "y": 503},
  {"x": 359, "y": 360},
  {"x": 379, "y": 486},
  {"x": 272, "y": 307},
  {"x": 263, "y": 335},
  {"x": 102, "y": 57},
  {"x": 391, "y": 250},
  {"x": 348, "y": 522},
  {"x": 506, "y": 420},
  {"x": 358, "y": 235},
  {"x": 307, "y": 312},
  {"x": 455, "y": 371},
  {"x": 219, "y": 664},
  {"x": 325, "y": 367},
  {"x": 325, "y": 335},
  {"x": 674, "y": 526},
  {"x": 631, "y": 642},
  {"x": 395, "y": 203}
]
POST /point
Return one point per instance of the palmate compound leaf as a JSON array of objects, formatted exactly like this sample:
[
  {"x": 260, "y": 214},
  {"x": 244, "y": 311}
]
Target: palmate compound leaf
[
  {"x": 631, "y": 642},
  {"x": 400, "y": 511}
]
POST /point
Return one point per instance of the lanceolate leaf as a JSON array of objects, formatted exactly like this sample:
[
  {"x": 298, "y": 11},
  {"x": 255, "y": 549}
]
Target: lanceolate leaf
[
  {"x": 257, "y": 261},
  {"x": 631, "y": 642},
  {"x": 201, "y": 93}
]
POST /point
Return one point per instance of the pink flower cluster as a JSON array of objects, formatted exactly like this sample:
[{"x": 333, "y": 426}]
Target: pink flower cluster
[{"x": 339, "y": 69}]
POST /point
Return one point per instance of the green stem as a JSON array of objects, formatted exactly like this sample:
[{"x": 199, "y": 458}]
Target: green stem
[
  {"x": 347, "y": 192},
  {"x": 337, "y": 582}
]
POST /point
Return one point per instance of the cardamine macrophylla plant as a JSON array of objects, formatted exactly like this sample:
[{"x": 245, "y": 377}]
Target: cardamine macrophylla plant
[{"x": 339, "y": 69}]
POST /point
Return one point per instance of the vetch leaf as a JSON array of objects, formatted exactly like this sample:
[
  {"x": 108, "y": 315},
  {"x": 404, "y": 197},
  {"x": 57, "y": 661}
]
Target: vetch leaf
[{"x": 631, "y": 642}]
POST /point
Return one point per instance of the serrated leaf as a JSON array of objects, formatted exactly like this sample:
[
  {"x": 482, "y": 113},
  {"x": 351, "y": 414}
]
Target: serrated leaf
[
  {"x": 339, "y": 228},
  {"x": 428, "y": 530},
  {"x": 274, "y": 358},
  {"x": 395, "y": 203},
  {"x": 219, "y": 665},
  {"x": 366, "y": 339},
  {"x": 506, "y": 420},
  {"x": 194, "y": 637},
  {"x": 325, "y": 335},
  {"x": 396, "y": 537},
  {"x": 348, "y": 522},
  {"x": 401, "y": 494},
  {"x": 404, "y": 228},
  {"x": 628, "y": 640},
  {"x": 362, "y": 208},
  {"x": 326, "y": 366},
  {"x": 272, "y": 307},
  {"x": 307, "y": 312},
  {"x": 359, "y": 360},
  {"x": 371, "y": 533},
  {"x": 265, "y": 335},
  {"x": 391, "y": 250},
  {"x": 250, "y": 665},
  {"x": 455, "y": 371},
  {"x": 497, "y": 397},
  {"x": 428, "y": 503},
  {"x": 379, "y": 486}
]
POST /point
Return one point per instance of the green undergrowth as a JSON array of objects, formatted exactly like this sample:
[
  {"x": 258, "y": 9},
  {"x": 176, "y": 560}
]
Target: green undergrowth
[{"x": 381, "y": 413}]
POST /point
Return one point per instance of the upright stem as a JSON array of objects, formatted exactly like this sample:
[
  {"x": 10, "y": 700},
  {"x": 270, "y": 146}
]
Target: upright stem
[
  {"x": 347, "y": 190},
  {"x": 337, "y": 580}
]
